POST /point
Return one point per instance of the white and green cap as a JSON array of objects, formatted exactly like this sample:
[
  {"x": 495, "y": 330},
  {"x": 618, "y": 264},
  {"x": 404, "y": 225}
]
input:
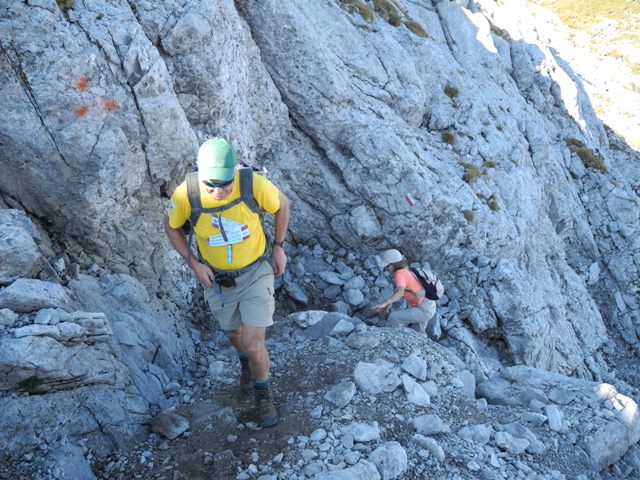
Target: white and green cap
[{"x": 217, "y": 160}]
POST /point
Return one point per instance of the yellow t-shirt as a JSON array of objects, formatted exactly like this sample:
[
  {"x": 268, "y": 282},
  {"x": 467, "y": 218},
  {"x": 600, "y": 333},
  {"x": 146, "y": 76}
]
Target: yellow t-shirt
[{"x": 233, "y": 238}]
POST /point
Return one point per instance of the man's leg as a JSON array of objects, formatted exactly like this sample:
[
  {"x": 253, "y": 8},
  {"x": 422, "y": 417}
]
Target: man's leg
[
  {"x": 246, "y": 380},
  {"x": 255, "y": 348}
]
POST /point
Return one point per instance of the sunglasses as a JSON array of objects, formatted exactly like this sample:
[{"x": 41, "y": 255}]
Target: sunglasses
[{"x": 217, "y": 184}]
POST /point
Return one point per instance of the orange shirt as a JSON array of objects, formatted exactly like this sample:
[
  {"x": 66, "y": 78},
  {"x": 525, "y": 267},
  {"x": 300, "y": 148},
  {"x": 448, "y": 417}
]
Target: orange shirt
[{"x": 407, "y": 280}]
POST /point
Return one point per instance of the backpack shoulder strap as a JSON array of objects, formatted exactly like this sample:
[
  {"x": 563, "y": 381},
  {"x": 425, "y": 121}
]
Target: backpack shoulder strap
[
  {"x": 246, "y": 189},
  {"x": 417, "y": 276},
  {"x": 193, "y": 193}
]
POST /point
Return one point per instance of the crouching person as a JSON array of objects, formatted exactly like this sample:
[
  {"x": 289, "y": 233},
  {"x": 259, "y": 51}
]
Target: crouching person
[{"x": 420, "y": 309}]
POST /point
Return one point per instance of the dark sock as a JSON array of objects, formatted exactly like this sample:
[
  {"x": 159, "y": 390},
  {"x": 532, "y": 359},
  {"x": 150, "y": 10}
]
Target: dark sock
[{"x": 263, "y": 385}]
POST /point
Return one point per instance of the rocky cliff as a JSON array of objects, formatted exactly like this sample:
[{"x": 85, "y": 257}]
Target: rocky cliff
[{"x": 520, "y": 198}]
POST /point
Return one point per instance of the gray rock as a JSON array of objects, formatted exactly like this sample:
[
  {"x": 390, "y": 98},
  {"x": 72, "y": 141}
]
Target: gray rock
[
  {"x": 317, "y": 412},
  {"x": 354, "y": 297},
  {"x": 27, "y": 295},
  {"x": 169, "y": 424},
  {"x": 362, "y": 432},
  {"x": 430, "y": 444},
  {"x": 508, "y": 442},
  {"x": 612, "y": 438},
  {"x": 318, "y": 435},
  {"x": 341, "y": 394},
  {"x": 520, "y": 431},
  {"x": 44, "y": 358},
  {"x": 296, "y": 292},
  {"x": 378, "y": 377},
  {"x": 391, "y": 460},
  {"x": 415, "y": 392},
  {"x": 68, "y": 461},
  {"x": 7, "y": 317},
  {"x": 19, "y": 255},
  {"x": 364, "y": 470},
  {"x": 332, "y": 291},
  {"x": 342, "y": 328},
  {"x": 431, "y": 388},
  {"x": 554, "y": 417},
  {"x": 533, "y": 418},
  {"x": 416, "y": 366},
  {"x": 480, "y": 434},
  {"x": 430, "y": 424},
  {"x": 360, "y": 340},
  {"x": 307, "y": 318},
  {"x": 332, "y": 277},
  {"x": 434, "y": 328},
  {"x": 469, "y": 384},
  {"x": 561, "y": 396}
]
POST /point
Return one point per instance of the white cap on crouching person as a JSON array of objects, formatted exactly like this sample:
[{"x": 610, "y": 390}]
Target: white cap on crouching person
[{"x": 389, "y": 256}]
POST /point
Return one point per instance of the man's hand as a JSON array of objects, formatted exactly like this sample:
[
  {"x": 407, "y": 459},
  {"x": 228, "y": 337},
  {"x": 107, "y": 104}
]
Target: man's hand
[
  {"x": 279, "y": 261},
  {"x": 203, "y": 272}
]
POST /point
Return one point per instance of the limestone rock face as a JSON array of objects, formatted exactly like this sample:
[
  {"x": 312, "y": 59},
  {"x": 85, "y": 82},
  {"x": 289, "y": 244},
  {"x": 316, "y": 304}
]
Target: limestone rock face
[
  {"x": 454, "y": 131},
  {"x": 605, "y": 437},
  {"x": 116, "y": 100}
]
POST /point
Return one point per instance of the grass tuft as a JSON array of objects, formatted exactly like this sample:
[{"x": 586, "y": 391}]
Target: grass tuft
[
  {"x": 499, "y": 32},
  {"x": 468, "y": 215},
  {"x": 573, "y": 142},
  {"x": 388, "y": 11},
  {"x": 451, "y": 91},
  {"x": 590, "y": 159},
  {"x": 31, "y": 384},
  {"x": 360, "y": 7},
  {"x": 471, "y": 172},
  {"x": 448, "y": 137},
  {"x": 493, "y": 203},
  {"x": 66, "y": 5},
  {"x": 416, "y": 28}
]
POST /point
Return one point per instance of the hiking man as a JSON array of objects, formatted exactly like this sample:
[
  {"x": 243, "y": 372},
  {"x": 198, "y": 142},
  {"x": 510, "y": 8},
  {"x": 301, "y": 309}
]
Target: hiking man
[
  {"x": 231, "y": 262},
  {"x": 408, "y": 286}
]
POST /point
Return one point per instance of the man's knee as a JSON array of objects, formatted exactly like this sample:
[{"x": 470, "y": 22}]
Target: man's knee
[{"x": 253, "y": 340}]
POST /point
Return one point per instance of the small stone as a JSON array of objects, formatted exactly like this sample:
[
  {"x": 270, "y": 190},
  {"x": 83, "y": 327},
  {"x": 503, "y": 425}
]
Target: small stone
[
  {"x": 318, "y": 435},
  {"x": 341, "y": 394},
  {"x": 169, "y": 424}
]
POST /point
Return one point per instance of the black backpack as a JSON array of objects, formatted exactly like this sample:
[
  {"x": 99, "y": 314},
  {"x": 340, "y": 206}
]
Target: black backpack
[
  {"x": 433, "y": 288},
  {"x": 246, "y": 195}
]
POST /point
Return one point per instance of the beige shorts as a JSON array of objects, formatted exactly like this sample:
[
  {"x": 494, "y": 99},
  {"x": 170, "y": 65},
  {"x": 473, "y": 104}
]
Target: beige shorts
[{"x": 250, "y": 302}]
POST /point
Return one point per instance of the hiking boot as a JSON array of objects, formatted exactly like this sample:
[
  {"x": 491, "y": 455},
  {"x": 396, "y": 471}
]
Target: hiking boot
[
  {"x": 246, "y": 384},
  {"x": 266, "y": 413}
]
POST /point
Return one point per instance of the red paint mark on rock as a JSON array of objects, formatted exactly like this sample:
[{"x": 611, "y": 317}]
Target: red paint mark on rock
[
  {"x": 82, "y": 110},
  {"x": 409, "y": 199},
  {"x": 109, "y": 104},
  {"x": 82, "y": 83}
]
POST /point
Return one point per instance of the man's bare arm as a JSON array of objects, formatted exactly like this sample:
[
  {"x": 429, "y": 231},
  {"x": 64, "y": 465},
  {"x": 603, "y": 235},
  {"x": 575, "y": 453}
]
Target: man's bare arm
[
  {"x": 178, "y": 239},
  {"x": 281, "y": 226}
]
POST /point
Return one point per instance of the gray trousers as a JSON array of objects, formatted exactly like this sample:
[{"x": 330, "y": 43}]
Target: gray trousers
[{"x": 414, "y": 317}]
